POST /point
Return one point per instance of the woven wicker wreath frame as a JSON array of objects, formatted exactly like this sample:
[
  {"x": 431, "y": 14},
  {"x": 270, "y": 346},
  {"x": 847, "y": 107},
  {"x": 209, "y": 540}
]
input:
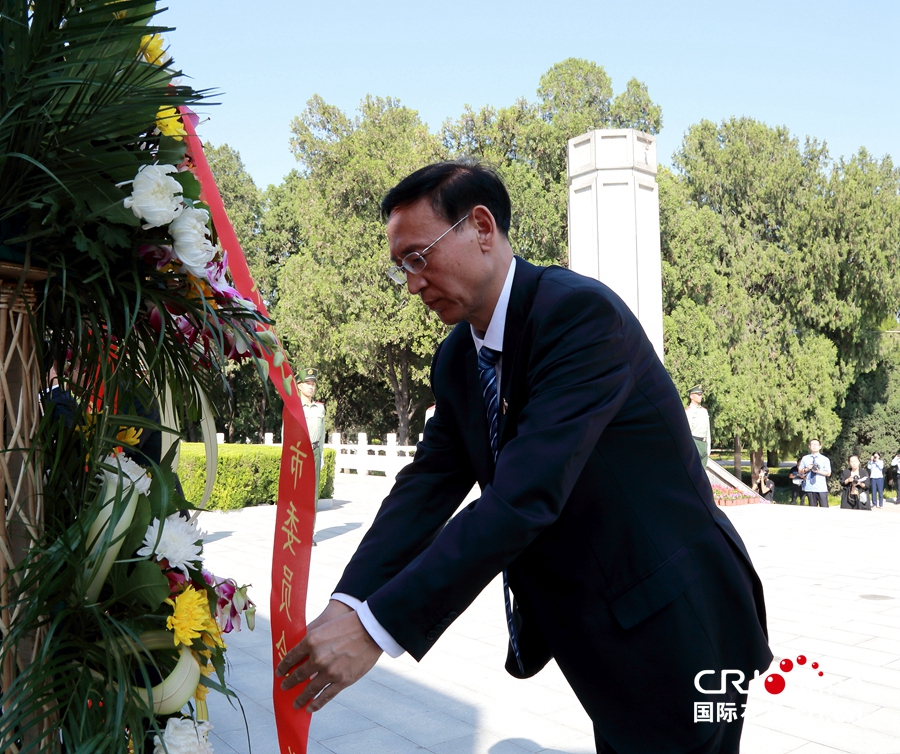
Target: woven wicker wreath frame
[{"x": 20, "y": 478}]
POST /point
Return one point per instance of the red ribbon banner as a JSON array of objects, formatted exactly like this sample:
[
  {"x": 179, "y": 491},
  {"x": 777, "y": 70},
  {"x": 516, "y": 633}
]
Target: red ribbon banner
[{"x": 296, "y": 483}]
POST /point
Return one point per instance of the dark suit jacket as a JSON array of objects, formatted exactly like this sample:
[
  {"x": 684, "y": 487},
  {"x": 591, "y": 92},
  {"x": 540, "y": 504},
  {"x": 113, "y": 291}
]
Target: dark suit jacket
[{"x": 634, "y": 587}]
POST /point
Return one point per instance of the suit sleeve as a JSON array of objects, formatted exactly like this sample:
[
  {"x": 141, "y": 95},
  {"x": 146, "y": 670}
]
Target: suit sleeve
[
  {"x": 579, "y": 374},
  {"x": 426, "y": 494}
]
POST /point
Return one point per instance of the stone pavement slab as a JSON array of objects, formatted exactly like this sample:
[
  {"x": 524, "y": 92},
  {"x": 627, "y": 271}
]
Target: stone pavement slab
[{"x": 832, "y": 588}]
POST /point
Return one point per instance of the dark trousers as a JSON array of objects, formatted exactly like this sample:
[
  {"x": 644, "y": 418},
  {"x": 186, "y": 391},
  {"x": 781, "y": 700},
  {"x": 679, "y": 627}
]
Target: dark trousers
[
  {"x": 817, "y": 499},
  {"x": 796, "y": 494}
]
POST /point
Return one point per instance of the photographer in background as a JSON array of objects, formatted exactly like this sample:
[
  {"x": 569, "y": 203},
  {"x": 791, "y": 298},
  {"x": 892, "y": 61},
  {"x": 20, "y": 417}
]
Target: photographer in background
[
  {"x": 853, "y": 486},
  {"x": 817, "y": 469},
  {"x": 764, "y": 486},
  {"x": 876, "y": 480},
  {"x": 796, "y": 483}
]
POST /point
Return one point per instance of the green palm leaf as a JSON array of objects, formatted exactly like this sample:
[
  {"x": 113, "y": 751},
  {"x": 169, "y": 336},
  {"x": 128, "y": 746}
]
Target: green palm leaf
[
  {"x": 77, "y": 104},
  {"x": 78, "y": 107}
]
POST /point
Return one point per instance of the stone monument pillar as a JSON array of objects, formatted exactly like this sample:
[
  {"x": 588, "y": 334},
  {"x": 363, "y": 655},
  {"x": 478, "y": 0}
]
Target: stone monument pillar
[{"x": 614, "y": 219}]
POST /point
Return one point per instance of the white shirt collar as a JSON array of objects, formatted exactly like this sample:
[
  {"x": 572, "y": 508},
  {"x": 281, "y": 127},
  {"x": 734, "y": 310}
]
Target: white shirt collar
[{"x": 493, "y": 338}]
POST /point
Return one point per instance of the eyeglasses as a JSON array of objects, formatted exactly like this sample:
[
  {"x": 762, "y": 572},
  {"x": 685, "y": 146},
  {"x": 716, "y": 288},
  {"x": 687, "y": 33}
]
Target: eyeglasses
[{"x": 416, "y": 261}]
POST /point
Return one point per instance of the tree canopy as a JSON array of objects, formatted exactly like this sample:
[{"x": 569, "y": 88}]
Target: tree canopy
[
  {"x": 323, "y": 233},
  {"x": 777, "y": 274},
  {"x": 777, "y": 259},
  {"x": 336, "y": 305}
]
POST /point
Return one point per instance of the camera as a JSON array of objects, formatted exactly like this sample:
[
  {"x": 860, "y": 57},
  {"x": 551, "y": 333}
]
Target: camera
[
  {"x": 814, "y": 469},
  {"x": 855, "y": 478}
]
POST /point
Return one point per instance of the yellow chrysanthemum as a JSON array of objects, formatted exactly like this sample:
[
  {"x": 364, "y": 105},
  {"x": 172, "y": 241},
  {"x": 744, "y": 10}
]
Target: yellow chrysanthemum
[
  {"x": 87, "y": 429},
  {"x": 213, "y": 636},
  {"x": 202, "y": 289},
  {"x": 129, "y": 435},
  {"x": 201, "y": 692},
  {"x": 190, "y": 619},
  {"x": 167, "y": 121},
  {"x": 152, "y": 49}
]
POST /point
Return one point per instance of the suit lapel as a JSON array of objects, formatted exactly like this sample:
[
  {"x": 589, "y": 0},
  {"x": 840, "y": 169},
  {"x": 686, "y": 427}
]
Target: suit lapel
[{"x": 521, "y": 298}]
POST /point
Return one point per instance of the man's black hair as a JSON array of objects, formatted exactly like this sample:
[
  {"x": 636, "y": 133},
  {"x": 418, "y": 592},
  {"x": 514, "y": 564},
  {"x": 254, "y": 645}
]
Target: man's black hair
[{"x": 454, "y": 188}]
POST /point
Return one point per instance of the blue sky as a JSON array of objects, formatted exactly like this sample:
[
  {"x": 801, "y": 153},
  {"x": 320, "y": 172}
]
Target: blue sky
[{"x": 824, "y": 69}]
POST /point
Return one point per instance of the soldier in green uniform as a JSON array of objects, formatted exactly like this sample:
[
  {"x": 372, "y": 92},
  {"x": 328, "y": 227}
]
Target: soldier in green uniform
[
  {"x": 315, "y": 418},
  {"x": 698, "y": 420}
]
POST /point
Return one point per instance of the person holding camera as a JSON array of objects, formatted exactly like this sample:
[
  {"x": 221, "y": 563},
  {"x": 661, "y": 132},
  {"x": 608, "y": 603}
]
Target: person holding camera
[
  {"x": 796, "y": 483},
  {"x": 854, "y": 483},
  {"x": 764, "y": 486},
  {"x": 876, "y": 480},
  {"x": 817, "y": 469}
]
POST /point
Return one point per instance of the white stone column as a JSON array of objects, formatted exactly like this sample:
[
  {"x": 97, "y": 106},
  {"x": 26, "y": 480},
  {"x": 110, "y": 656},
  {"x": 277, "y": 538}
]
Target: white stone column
[{"x": 614, "y": 219}]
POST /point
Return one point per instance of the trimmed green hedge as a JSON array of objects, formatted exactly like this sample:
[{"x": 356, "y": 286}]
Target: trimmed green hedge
[
  {"x": 326, "y": 475},
  {"x": 247, "y": 475}
]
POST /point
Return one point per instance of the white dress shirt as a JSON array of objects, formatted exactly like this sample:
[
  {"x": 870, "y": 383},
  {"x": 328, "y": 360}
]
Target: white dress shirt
[{"x": 493, "y": 338}]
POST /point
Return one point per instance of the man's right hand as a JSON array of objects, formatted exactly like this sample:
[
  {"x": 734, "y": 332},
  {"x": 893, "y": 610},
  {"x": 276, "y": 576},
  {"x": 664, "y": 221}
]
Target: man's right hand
[{"x": 336, "y": 652}]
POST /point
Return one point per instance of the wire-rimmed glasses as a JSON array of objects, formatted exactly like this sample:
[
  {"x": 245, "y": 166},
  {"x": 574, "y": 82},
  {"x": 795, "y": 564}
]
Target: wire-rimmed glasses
[{"x": 416, "y": 261}]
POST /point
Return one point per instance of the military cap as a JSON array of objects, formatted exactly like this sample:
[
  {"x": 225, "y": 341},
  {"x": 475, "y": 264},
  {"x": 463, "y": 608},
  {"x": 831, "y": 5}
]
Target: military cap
[
  {"x": 309, "y": 375},
  {"x": 696, "y": 389}
]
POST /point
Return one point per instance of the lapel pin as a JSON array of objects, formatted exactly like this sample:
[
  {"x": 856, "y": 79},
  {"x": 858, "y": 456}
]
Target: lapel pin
[{"x": 505, "y": 406}]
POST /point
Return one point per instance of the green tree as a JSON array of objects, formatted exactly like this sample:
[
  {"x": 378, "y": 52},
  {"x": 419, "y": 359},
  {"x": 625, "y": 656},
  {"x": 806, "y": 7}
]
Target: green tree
[
  {"x": 255, "y": 409},
  {"x": 322, "y": 234},
  {"x": 871, "y": 415},
  {"x": 527, "y": 143},
  {"x": 771, "y": 255},
  {"x": 335, "y": 303},
  {"x": 244, "y": 204}
]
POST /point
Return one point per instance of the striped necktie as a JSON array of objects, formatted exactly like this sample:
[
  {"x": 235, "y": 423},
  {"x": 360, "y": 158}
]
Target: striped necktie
[{"x": 487, "y": 370}]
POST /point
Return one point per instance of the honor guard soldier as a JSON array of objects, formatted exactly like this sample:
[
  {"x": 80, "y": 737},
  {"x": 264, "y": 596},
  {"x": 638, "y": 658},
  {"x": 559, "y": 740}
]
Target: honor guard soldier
[
  {"x": 698, "y": 419},
  {"x": 315, "y": 418}
]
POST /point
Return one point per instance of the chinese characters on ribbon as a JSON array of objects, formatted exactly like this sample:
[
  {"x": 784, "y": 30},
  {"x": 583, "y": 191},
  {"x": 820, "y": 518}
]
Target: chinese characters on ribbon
[{"x": 296, "y": 500}]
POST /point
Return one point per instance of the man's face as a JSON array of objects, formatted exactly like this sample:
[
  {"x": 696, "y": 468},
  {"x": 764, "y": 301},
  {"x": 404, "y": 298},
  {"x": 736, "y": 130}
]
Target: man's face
[
  {"x": 814, "y": 446},
  {"x": 308, "y": 389},
  {"x": 455, "y": 281},
  {"x": 696, "y": 398}
]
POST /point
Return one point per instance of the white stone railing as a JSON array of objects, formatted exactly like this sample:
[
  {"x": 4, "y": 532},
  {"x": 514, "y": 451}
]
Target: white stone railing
[{"x": 364, "y": 458}]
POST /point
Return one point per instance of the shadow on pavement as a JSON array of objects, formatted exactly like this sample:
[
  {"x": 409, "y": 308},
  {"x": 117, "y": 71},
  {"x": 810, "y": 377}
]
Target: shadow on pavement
[
  {"x": 335, "y": 531},
  {"x": 332, "y": 504},
  {"x": 217, "y": 536}
]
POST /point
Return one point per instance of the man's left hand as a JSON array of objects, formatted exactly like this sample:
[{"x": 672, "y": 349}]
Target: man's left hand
[{"x": 333, "y": 655}]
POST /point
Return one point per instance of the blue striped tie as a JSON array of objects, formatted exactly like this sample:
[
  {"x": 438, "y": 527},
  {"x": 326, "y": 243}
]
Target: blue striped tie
[{"x": 487, "y": 369}]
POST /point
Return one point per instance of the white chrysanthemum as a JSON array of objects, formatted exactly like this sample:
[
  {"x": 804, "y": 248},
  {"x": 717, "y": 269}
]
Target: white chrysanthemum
[
  {"x": 184, "y": 736},
  {"x": 177, "y": 543},
  {"x": 191, "y": 241},
  {"x": 155, "y": 195},
  {"x": 132, "y": 471}
]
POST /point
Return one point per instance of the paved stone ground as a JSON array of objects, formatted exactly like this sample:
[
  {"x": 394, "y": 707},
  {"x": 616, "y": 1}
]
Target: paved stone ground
[{"x": 832, "y": 591}]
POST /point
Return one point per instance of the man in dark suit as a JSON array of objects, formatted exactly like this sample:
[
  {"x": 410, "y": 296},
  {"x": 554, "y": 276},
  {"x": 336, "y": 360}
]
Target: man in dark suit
[{"x": 634, "y": 596}]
